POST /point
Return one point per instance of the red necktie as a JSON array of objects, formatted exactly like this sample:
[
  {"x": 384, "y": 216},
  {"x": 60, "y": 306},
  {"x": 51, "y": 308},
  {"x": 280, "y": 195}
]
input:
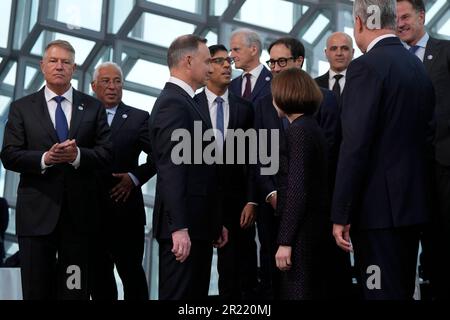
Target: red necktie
[{"x": 248, "y": 87}]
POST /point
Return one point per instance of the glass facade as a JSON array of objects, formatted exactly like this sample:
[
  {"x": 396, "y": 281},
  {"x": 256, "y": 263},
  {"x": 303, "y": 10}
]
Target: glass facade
[{"x": 136, "y": 33}]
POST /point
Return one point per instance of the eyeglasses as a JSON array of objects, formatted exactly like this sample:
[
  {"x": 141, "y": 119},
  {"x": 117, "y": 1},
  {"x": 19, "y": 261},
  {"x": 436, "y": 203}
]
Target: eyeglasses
[
  {"x": 222, "y": 60},
  {"x": 282, "y": 62}
]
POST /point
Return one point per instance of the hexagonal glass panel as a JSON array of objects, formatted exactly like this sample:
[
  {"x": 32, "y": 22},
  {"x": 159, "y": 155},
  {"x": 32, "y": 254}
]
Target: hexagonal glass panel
[
  {"x": 186, "y": 5},
  {"x": 77, "y": 14},
  {"x": 5, "y": 9}
]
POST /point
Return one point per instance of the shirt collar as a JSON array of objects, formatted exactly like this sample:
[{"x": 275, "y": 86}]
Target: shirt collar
[
  {"x": 112, "y": 110},
  {"x": 211, "y": 97},
  {"x": 49, "y": 94},
  {"x": 333, "y": 73},
  {"x": 255, "y": 72},
  {"x": 421, "y": 43},
  {"x": 183, "y": 85},
  {"x": 378, "y": 39}
]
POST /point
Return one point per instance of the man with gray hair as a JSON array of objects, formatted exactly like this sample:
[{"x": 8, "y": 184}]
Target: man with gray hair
[
  {"x": 381, "y": 191},
  {"x": 246, "y": 49},
  {"x": 56, "y": 139},
  {"x": 186, "y": 220},
  {"x": 123, "y": 211}
]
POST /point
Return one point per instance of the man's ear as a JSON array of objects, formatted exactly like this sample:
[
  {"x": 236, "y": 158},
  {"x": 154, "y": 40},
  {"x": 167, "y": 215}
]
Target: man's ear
[
  {"x": 359, "y": 25},
  {"x": 422, "y": 17}
]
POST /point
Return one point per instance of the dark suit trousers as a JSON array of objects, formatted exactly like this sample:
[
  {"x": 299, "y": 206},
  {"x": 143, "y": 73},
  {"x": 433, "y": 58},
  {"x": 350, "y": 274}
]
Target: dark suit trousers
[
  {"x": 394, "y": 251},
  {"x": 188, "y": 280},
  {"x": 46, "y": 277},
  {"x": 440, "y": 236}
]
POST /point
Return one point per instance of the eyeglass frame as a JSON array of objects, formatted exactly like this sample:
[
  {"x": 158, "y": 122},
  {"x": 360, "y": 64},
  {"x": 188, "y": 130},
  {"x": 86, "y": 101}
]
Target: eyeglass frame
[
  {"x": 271, "y": 63},
  {"x": 116, "y": 82},
  {"x": 222, "y": 59}
]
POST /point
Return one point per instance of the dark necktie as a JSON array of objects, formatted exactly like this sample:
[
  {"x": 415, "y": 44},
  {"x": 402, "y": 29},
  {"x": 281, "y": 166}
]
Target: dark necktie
[
  {"x": 337, "y": 86},
  {"x": 62, "y": 129},
  {"x": 413, "y": 49},
  {"x": 248, "y": 87},
  {"x": 219, "y": 121}
]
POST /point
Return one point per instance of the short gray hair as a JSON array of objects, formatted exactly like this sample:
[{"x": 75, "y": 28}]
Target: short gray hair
[
  {"x": 61, "y": 44},
  {"x": 387, "y": 9},
  {"x": 182, "y": 46},
  {"x": 104, "y": 65},
  {"x": 250, "y": 37}
]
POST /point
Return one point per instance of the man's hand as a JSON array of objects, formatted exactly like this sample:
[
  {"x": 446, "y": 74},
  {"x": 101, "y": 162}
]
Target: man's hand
[
  {"x": 341, "y": 234},
  {"x": 181, "y": 245},
  {"x": 123, "y": 188},
  {"x": 65, "y": 152},
  {"x": 248, "y": 216},
  {"x": 283, "y": 258},
  {"x": 223, "y": 239},
  {"x": 273, "y": 201}
]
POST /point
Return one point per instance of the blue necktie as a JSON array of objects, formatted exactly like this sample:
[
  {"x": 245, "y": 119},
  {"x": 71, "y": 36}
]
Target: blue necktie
[
  {"x": 413, "y": 49},
  {"x": 219, "y": 120},
  {"x": 61, "y": 126},
  {"x": 110, "y": 117}
]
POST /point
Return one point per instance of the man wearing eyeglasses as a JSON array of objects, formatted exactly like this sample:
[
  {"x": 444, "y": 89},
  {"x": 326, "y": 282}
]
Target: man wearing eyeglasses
[
  {"x": 287, "y": 53},
  {"x": 121, "y": 196},
  {"x": 230, "y": 112},
  {"x": 245, "y": 49}
]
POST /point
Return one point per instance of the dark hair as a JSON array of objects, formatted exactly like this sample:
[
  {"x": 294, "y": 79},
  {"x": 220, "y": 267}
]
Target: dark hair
[
  {"x": 216, "y": 48},
  {"x": 296, "y": 47},
  {"x": 417, "y": 5},
  {"x": 294, "y": 91},
  {"x": 181, "y": 46}
]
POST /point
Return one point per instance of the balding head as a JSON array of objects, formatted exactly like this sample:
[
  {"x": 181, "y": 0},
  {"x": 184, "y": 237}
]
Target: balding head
[{"x": 339, "y": 51}]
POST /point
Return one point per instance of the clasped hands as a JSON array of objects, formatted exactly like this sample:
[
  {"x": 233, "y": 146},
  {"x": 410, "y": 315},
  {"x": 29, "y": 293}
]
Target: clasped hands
[{"x": 64, "y": 152}]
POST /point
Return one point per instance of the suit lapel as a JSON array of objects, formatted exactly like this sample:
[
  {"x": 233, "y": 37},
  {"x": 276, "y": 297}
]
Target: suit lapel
[
  {"x": 204, "y": 116},
  {"x": 43, "y": 116},
  {"x": 431, "y": 51},
  {"x": 233, "y": 111},
  {"x": 121, "y": 116},
  {"x": 203, "y": 106},
  {"x": 78, "y": 107},
  {"x": 263, "y": 79}
]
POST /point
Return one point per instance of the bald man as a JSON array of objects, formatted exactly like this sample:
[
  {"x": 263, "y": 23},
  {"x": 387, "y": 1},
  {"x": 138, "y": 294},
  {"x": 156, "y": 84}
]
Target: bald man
[{"x": 339, "y": 52}]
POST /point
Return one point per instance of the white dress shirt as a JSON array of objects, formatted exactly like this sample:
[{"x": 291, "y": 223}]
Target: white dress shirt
[
  {"x": 183, "y": 85},
  {"x": 332, "y": 80},
  {"x": 66, "y": 106},
  {"x": 255, "y": 75},
  {"x": 212, "y": 105}
]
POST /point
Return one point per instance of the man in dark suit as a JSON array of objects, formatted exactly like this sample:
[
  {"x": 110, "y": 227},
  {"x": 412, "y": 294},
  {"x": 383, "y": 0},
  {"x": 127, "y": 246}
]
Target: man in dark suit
[
  {"x": 56, "y": 139},
  {"x": 122, "y": 201},
  {"x": 381, "y": 182},
  {"x": 435, "y": 55},
  {"x": 288, "y": 53},
  {"x": 339, "y": 52},
  {"x": 245, "y": 49},
  {"x": 186, "y": 220},
  {"x": 230, "y": 112}
]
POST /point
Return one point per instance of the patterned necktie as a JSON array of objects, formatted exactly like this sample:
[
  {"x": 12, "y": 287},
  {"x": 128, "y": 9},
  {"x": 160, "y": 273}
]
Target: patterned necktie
[
  {"x": 61, "y": 126},
  {"x": 219, "y": 121},
  {"x": 413, "y": 49},
  {"x": 337, "y": 86},
  {"x": 248, "y": 87}
]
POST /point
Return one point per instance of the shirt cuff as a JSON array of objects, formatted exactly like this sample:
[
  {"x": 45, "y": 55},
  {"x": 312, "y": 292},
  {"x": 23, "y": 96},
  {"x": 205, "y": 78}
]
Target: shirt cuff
[
  {"x": 135, "y": 180},
  {"x": 76, "y": 162},
  {"x": 253, "y": 203},
  {"x": 43, "y": 165},
  {"x": 270, "y": 195}
]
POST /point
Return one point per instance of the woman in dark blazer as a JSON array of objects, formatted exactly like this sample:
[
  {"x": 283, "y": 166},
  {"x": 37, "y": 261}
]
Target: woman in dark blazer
[{"x": 304, "y": 224}]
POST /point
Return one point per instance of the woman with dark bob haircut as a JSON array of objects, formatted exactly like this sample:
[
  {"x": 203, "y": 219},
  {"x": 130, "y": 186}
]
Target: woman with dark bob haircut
[{"x": 304, "y": 224}]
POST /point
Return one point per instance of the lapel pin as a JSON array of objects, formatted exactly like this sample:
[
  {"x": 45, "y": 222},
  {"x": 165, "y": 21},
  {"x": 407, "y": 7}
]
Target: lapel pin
[
  {"x": 430, "y": 57},
  {"x": 267, "y": 78},
  {"x": 124, "y": 116},
  {"x": 80, "y": 108}
]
